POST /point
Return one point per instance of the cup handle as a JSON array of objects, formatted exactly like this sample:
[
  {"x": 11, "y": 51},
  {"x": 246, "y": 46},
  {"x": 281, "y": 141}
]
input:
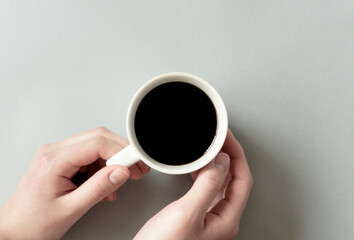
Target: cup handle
[{"x": 125, "y": 157}]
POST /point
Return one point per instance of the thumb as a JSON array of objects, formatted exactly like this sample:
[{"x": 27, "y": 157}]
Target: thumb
[
  {"x": 209, "y": 181},
  {"x": 99, "y": 186}
]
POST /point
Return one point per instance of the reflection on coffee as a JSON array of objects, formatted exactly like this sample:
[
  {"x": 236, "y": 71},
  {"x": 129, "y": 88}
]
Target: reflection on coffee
[{"x": 175, "y": 123}]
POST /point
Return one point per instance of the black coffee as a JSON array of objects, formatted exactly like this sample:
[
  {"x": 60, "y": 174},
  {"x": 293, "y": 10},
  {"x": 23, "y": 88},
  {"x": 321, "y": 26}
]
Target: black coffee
[{"x": 175, "y": 123}]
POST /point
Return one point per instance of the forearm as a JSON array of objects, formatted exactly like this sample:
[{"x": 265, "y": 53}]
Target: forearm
[{"x": 4, "y": 227}]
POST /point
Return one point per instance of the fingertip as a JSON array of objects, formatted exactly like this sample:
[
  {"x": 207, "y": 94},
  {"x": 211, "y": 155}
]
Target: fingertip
[
  {"x": 119, "y": 175},
  {"x": 144, "y": 169},
  {"x": 208, "y": 183},
  {"x": 222, "y": 161},
  {"x": 121, "y": 168},
  {"x": 111, "y": 197},
  {"x": 230, "y": 132},
  {"x": 194, "y": 174},
  {"x": 135, "y": 177},
  {"x": 232, "y": 147},
  {"x": 135, "y": 172}
]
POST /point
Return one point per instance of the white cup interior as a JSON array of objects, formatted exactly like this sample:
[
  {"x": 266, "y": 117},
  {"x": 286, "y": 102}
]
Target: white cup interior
[{"x": 221, "y": 130}]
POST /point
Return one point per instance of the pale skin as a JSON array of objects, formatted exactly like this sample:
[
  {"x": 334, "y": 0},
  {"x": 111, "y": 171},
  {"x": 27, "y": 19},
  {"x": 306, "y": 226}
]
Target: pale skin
[
  {"x": 46, "y": 203},
  {"x": 213, "y": 207}
]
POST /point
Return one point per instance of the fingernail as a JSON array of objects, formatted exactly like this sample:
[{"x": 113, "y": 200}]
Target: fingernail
[
  {"x": 117, "y": 176},
  {"x": 222, "y": 161}
]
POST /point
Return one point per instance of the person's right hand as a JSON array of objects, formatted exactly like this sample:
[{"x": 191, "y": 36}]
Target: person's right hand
[
  {"x": 64, "y": 180},
  {"x": 212, "y": 208}
]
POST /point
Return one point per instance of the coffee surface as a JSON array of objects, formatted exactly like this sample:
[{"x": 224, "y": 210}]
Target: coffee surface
[{"x": 175, "y": 123}]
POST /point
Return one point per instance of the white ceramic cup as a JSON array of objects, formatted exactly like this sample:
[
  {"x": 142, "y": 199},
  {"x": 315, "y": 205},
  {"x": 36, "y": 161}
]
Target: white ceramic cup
[{"x": 134, "y": 152}]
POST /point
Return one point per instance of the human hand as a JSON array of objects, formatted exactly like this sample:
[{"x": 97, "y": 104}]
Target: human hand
[
  {"x": 201, "y": 213},
  {"x": 46, "y": 203}
]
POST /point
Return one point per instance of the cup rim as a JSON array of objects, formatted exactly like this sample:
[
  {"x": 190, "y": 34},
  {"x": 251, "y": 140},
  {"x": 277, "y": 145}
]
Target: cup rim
[{"x": 222, "y": 122}]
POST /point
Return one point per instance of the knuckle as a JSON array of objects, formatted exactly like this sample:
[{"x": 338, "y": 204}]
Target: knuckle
[
  {"x": 44, "y": 148},
  {"x": 103, "y": 146},
  {"x": 214, "y": 180},
  {"x": 45, "y": 161},
  {"x": 102, "y": 131},
  {"x": 47, "y": 157},
  {"x": 99, "y": 141}
]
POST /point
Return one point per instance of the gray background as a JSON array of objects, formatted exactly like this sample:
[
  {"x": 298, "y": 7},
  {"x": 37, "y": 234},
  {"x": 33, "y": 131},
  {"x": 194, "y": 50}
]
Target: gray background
[{"x": 283, "y": 67}]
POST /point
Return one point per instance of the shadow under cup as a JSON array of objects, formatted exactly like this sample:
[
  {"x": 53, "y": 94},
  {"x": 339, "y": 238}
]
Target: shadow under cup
[{"x": 177, "y": 123}]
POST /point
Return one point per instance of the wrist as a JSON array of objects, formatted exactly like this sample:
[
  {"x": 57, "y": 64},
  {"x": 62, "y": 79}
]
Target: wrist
[{"x": 12, "y": 225}]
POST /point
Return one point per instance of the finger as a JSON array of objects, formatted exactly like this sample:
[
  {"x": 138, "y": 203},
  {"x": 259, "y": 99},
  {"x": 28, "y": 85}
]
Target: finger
[
  {"x": 135, "y": 172},
  {"x": 143, "y": 167},
  {"x": 68, "y": 160},
  {"x": 240, "y": 171},
  {"x": 231, "y": 146},
  {"x": 83, "y": 169},
  {"x": 226, "y": 183},
  {"x": 138, "y": 169},
  {"x": 227, "y": 215},
  {"x": 101, "y": 164},
  {"x": 97, "y": 132},
  {"x": 98, "y": 187},
  {"x": 112, "y": 196},
  {"x": 231, "y": 208},
  {"x": 221, "y": 194},
  {"x": 194, "y": 175},
  {"x": 207, "y": 185}
]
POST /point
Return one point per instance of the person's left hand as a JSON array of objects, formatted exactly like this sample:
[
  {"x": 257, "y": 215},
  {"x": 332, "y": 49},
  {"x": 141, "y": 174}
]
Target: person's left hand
[
  {"x": 53, "y": 193},
  {"x": 213, "y": 207}
]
